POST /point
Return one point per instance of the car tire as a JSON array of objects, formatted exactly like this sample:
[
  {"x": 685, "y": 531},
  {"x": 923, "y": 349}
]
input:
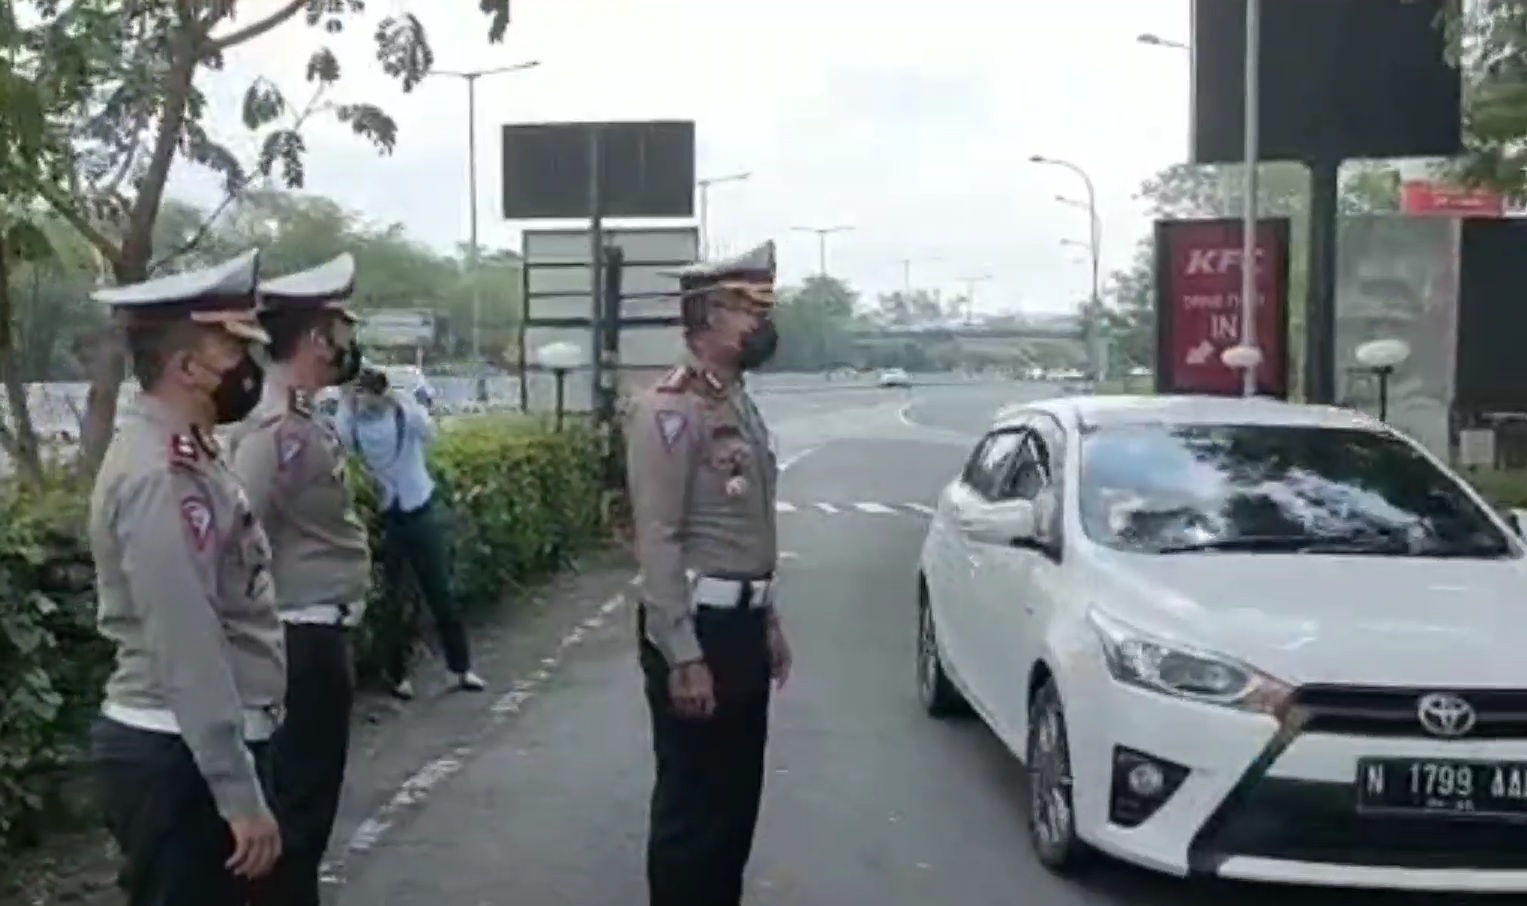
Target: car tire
[
  {"x": 935, "y": 690},
  {"x": 1052, "y": 819}
]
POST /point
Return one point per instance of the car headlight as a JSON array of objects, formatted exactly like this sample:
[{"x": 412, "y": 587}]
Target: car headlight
[{"x": 1139, "y": 659}]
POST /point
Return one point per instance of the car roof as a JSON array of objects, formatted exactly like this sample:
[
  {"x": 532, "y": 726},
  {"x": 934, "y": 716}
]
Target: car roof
[{"x": 1094, "y": 411}]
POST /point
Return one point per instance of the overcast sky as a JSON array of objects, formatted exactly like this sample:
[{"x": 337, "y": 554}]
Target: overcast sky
[{"x": 911, "y": 122}]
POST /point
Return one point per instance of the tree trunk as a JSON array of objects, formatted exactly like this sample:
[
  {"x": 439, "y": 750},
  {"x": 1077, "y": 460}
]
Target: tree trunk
[
  {"x": 108, "y": 362},
  {"x": 19, "y": 439}
]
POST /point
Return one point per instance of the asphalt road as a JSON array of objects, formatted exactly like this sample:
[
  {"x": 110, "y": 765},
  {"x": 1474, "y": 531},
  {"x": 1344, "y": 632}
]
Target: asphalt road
[{"x": 868, "y": 800}]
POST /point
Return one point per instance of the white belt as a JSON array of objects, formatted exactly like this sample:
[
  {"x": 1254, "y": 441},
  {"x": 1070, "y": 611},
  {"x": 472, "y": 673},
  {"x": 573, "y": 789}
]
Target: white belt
[
  {"x": 322, "y": 615},
  {"x": 713, "y": 592},
  {"x": 259, "y": 725}
]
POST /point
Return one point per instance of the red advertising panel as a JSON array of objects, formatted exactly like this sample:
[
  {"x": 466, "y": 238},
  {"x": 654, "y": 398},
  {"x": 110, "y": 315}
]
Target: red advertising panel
[
  {"x": 1421, "y": 198},
  {"x": 1198, "y": 305}
]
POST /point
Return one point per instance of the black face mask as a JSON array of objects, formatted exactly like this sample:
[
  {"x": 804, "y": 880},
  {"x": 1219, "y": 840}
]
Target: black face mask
[
  {"x": 347, "y": 363},
  {"x": 238, "y": 392},
  {"x": 758, "y": 346}
]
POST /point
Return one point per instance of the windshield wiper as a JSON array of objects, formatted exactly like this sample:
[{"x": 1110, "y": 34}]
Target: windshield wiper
[{"x": 1284, "y": 543}]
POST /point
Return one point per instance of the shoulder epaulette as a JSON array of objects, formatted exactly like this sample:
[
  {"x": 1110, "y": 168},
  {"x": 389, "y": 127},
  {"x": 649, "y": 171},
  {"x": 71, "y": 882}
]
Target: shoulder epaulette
[
  {"x": 300, "y": 402},
  {"x": 676, "y": 380},
  {"x": 184, "y": 451}
]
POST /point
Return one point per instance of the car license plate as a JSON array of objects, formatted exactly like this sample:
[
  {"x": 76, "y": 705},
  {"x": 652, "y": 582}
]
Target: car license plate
[{"x": 1442, "y": 786}]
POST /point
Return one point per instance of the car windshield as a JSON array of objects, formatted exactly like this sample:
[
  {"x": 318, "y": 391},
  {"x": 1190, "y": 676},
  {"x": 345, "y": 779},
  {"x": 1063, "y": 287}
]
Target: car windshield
[{"x": 1275, "y": 488}]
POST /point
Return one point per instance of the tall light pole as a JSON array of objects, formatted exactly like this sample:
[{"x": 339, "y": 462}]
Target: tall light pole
[
  {"x": 1095, "y": 243},
  {"x": 1226, "y": 184},
  {"x": 970, "y": 293},
  {"x": 1252, "y": 122},
  {"x": 473, "y": 251},
  {"x": 1158, "y": 41},
  {"x": 906, "y": 272},
  {"x": 822, "y": 233},
  {"x": 704, "y": 186}
]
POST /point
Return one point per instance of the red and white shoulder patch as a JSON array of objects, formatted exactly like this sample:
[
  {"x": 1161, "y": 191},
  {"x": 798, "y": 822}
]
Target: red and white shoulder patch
[{"x": 289, "y": 446}]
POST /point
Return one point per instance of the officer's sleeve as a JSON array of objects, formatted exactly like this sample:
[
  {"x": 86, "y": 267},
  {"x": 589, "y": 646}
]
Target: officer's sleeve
[
  {"x": 257, "y": 463},
  {"x": 169, "y": 534},
  {"x": 662, "y": 449}
]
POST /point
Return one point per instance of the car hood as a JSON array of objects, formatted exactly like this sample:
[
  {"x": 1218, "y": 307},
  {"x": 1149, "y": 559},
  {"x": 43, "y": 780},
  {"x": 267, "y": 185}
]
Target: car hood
[{"x": 1334, "y": 619}]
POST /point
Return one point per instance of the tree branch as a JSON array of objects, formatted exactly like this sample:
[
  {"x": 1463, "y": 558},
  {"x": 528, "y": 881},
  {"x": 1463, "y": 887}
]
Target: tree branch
[
  {"x": 200, "y": 234},
  {"x": 65, "y": 209},
  {"x": 137, "y": 244},
  {"x": 256, "y": 29}
]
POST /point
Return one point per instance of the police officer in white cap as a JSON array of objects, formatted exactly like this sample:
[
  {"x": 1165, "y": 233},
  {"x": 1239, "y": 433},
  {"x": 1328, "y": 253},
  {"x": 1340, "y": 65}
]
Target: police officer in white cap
[
  {"x": 293, "y": 467},
  {"x": 183, "y": 579},
  {"x": 702, "y": 473}
]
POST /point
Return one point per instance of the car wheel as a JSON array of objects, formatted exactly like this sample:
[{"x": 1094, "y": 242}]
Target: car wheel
[
  {"x": 935, "y": 690},
  {"x": 1052, "y": 820}
]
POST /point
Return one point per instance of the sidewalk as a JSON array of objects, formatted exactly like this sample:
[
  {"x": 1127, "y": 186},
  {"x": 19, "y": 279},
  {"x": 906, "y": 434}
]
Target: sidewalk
[{"x": 399, "y": 750}]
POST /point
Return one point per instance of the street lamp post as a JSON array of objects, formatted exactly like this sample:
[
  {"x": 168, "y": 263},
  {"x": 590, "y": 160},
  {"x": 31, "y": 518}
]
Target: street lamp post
[
  {"x": 1252, "y": 122},
  {"x": 704, "y": 186},
  {"x": 1095, "y": 314},
  {"x": 970, "y": 294},
  {"x": 473, "y": 251},
  {"x": 822, "y": 233},
  {"x": 1226, "y": 184}
]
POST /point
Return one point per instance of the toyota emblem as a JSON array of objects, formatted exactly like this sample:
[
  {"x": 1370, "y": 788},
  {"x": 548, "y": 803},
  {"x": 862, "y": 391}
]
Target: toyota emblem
[{"x": 1445, "y": 714}]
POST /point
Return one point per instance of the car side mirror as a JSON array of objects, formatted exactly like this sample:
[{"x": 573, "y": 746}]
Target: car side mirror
[
  {"x": 1009, "y": 523},
  {"x": 1517, "y": 519}
]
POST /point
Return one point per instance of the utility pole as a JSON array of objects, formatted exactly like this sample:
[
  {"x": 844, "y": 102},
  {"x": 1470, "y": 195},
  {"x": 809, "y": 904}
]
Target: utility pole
[
  {"x": 1093, "y": 323},
  {"x": 822, "y": 233},
  {"x": 474, "y": 252},
  {"x": 704, "y": 186},
  {"x": 970, "y": 294}
]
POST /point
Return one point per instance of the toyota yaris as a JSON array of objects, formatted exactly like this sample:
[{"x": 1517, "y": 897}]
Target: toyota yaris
[{"x": 1237, "y": 638}]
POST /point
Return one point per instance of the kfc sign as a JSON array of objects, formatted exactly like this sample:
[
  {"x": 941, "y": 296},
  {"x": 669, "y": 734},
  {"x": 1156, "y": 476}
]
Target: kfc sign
[{"x": 1198, "y": 305}]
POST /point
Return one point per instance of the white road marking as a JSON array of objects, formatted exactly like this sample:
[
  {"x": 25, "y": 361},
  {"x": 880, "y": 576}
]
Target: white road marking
[
  {"x": 878, "y": 508},
  {"x": 416, "y": 789},
  {"x": 783, "y": 507},
  {"x": 827, "y": 508}
]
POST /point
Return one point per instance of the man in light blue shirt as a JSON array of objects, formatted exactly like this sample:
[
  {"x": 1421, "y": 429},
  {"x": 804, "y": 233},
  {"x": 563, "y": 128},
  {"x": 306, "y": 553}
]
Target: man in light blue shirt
[{"x": 390, "y": 434}]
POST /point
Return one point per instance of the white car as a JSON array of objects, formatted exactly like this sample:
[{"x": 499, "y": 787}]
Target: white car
[
  {"x": 894, "y": 377},
  {"x": 1237, "y": 638}
]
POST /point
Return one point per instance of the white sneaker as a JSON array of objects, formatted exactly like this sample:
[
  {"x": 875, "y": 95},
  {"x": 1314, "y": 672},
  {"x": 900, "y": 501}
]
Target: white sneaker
[
  {"x": 403, "y": 689},
  {"x": 470, "y": 682}
]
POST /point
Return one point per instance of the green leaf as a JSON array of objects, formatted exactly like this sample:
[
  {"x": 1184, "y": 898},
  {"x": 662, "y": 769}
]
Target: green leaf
[
  {"x": 263, "y": 103},
  {"x": 370, "y": 122}
]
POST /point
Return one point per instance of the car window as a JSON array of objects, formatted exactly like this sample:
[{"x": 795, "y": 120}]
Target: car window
[
  {"x": 989, "y": 463},
  {"x": 1309, "y": 488},
  {"x": 1029, "y": 472}
]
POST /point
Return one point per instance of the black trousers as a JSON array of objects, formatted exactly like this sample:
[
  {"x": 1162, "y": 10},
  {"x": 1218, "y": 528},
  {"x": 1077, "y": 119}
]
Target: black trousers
[
  {"x": 308, "y": 757},
  {"x": 159, "y": 810},
  {"x": 419, "y": 541},
  {"x": 709, "y": 770}
]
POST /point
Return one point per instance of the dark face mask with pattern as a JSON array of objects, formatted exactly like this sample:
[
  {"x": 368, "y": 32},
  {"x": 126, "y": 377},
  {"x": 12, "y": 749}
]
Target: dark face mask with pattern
[
  {"x": 346, "y": 362},
  {"x": 758, "y": 345},
  {"x": 238, "y": 391}
]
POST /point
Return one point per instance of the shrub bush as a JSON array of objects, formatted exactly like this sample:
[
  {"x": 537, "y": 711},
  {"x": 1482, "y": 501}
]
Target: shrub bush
[
  {"x": 1504, "y": 488},
  {"x": 523, "y": 500}
]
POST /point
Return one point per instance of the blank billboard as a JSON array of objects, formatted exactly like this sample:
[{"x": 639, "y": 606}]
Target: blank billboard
[
  {"x": 647, "y": 168},
  {"x": 1492, "y": 322},
  {"x": 1340, "y": 79}
]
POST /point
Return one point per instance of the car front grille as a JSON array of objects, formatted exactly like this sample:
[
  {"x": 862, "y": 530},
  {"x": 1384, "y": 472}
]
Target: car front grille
[
  {"x": 1391, "y": 711},
  {"x": 1306, "y": 821}
]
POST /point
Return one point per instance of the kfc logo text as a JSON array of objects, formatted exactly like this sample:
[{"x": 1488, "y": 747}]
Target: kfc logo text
[{"x": 1215, "y": 262}]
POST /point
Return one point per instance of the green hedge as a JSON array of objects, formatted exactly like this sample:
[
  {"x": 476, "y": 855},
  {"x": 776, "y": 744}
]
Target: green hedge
[
  {"x": 523, "y": 500},
  {"x": 1504, "y": 488}
]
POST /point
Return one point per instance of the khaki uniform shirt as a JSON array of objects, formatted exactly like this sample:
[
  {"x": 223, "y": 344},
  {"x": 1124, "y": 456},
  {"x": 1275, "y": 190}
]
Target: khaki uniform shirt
[
  {"x": 293, "y": 469},
  {"x": 183, "y": 580},
  {"x": 701, "y": 473}
]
